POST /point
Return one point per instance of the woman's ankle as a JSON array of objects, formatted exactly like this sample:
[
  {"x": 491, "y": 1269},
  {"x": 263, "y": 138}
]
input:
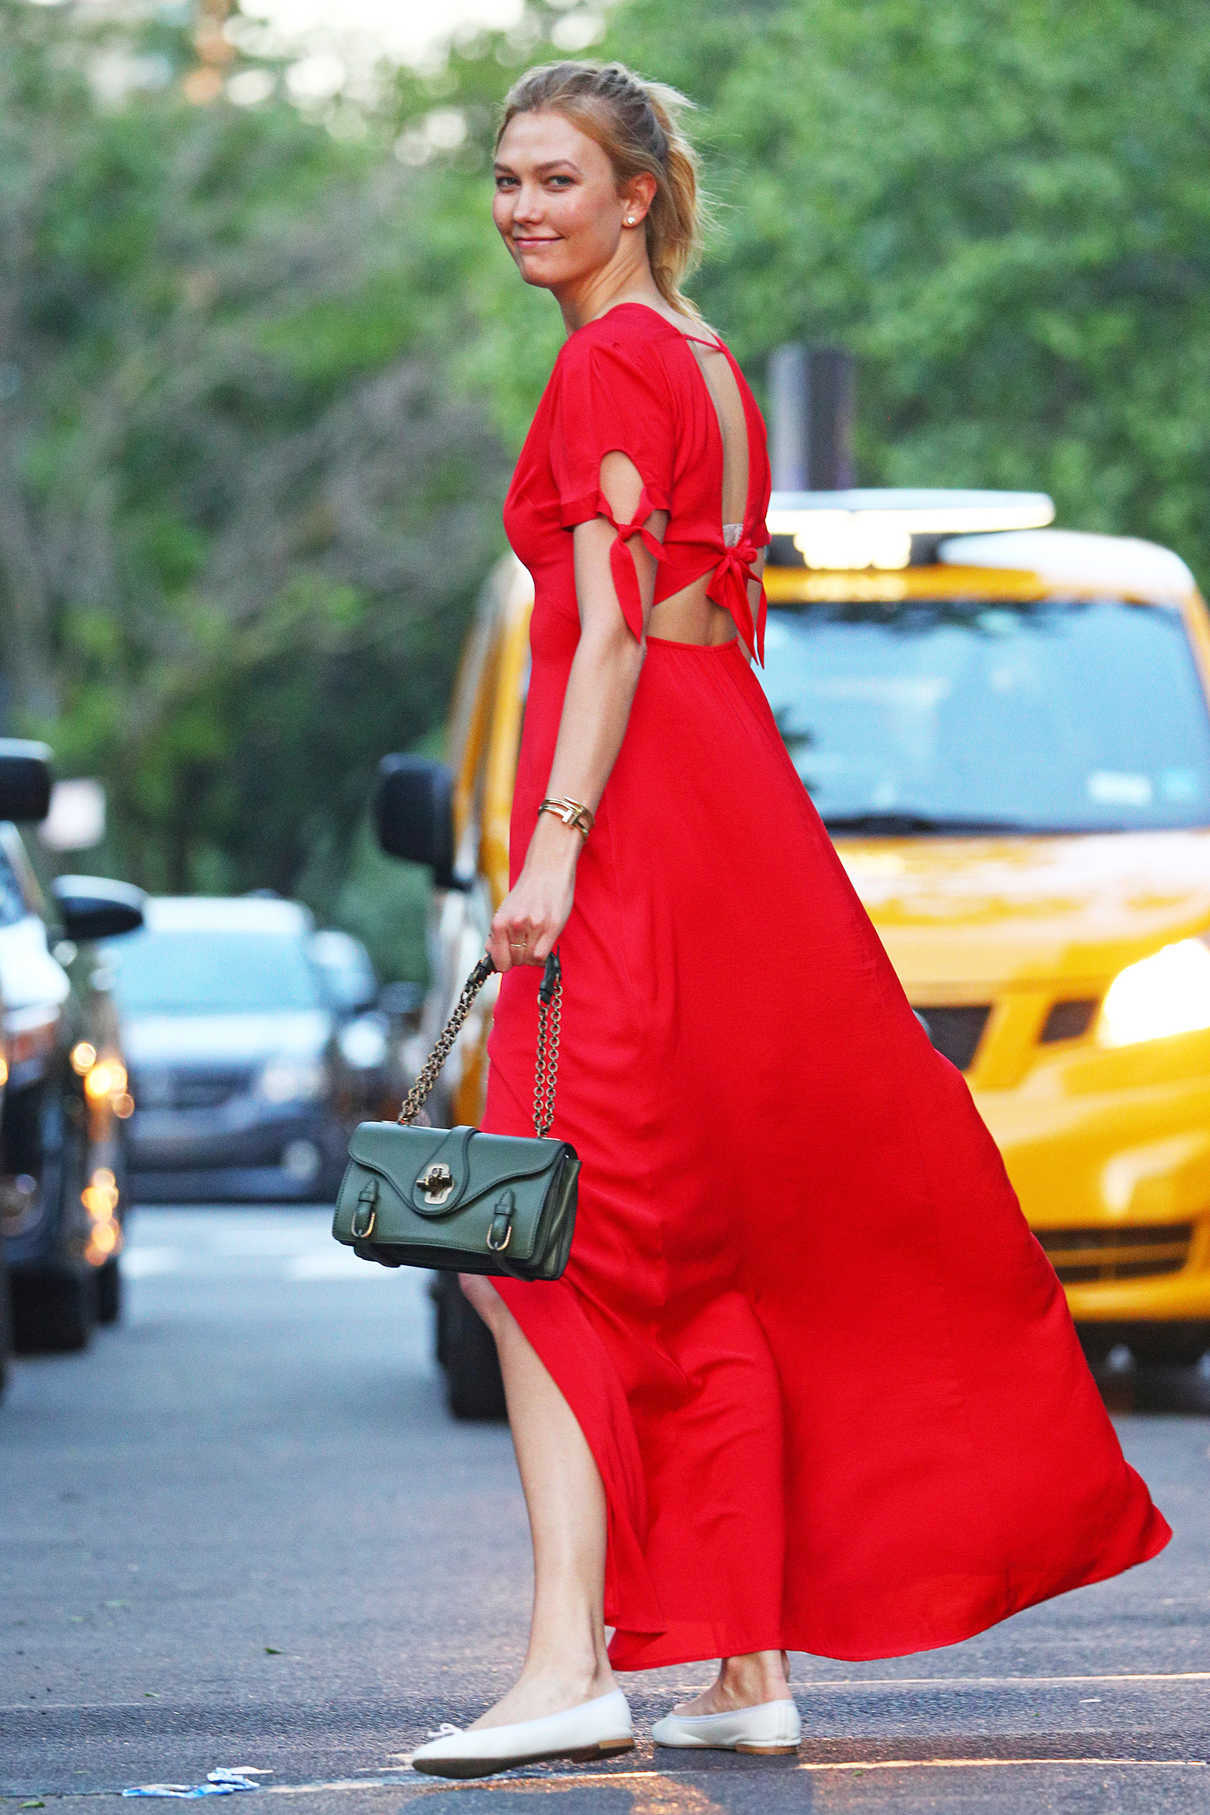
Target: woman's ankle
[
  {"x": 579, "y": 1679},
  {"x": 754, "y": 1677}
]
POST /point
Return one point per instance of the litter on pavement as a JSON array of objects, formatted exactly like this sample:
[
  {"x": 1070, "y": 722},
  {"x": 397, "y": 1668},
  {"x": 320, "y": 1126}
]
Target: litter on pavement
[{"x": 219, "y": 1782}]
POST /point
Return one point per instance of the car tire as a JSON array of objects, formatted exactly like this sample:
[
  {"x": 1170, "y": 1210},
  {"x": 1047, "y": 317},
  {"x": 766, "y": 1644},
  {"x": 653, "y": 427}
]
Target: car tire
[
  {"x": 109, "y": 1292},
  {"x": 6, "y": 1326},
  {"x": 1174, "y": 1345},
  {"x": 467, "y": 1349},
  {"x": 1096, "y": 1345},
  {"x": 53, "y": 1312}
]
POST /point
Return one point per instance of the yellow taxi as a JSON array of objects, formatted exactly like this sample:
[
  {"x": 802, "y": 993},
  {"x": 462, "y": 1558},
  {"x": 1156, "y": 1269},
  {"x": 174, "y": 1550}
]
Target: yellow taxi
[{"x": 1006, "y": 729}]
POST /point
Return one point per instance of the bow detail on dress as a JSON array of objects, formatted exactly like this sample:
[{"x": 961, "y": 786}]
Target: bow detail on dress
[
  {"x": 729, "y": 587},
  {"x": 621, "y": 560}
]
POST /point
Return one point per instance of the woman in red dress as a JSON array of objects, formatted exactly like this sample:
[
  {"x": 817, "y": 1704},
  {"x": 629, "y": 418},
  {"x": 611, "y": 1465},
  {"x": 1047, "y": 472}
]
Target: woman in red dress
[{"x": 809, "y": 1381}]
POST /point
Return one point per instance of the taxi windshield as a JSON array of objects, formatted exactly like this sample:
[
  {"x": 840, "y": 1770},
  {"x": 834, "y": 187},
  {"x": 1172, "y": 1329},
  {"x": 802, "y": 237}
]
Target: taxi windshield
[{"x": 968, "y": 715}]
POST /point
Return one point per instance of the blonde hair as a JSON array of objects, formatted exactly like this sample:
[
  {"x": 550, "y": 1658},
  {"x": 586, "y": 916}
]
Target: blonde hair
[{"x": 636, "y": 124}]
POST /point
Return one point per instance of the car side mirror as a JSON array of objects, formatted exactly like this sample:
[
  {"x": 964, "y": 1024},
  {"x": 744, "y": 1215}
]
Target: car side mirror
[
  {"x": 96, "y": 907},
  {"x": 25, "y": 778},
  {"x": 414, "y": 815}
]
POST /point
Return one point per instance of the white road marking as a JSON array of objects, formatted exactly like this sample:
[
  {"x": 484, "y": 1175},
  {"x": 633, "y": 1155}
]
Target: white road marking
[
  {"x": 223, "y": 1248},
  {"x": 998, "y": 1682},
  {"x": 142, "y": 1263},
  {"x": 677, "y": 1780},
  {"x": 262, "y": 1242},
  {"x": 966, "y": 1764},
  {"x": 340, "y": 1264}
]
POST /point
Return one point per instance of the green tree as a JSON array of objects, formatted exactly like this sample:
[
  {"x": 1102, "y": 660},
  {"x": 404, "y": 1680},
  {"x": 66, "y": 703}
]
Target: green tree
[
  {"x": 243, "y": 510},
  {"x": 1002, "y": 206},
  {"x": 261, "y": 373}
]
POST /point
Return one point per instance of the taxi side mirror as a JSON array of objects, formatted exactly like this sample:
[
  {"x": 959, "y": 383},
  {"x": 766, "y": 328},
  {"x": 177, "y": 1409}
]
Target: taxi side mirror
[
  {"x": 414, "y": 815},
  {"x": 96, "y": 907}
]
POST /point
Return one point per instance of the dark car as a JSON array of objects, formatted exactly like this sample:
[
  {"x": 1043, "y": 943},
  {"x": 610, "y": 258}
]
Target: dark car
[
  {"x": 62, "y": 1173},
  {"x": 246, "y": 1080}
]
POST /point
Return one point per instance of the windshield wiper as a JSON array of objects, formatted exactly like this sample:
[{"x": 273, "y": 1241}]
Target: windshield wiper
[{"x": 893, "y": 820}]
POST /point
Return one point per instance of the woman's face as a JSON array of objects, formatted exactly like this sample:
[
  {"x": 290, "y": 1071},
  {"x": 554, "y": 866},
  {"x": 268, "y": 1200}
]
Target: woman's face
[{"x": 557, "y": 206}]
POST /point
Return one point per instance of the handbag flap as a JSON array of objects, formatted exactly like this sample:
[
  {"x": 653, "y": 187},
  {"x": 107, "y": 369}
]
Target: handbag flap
[
  {"x": 438, "y": 1170},
  {"x": 517, "y": 1196}
]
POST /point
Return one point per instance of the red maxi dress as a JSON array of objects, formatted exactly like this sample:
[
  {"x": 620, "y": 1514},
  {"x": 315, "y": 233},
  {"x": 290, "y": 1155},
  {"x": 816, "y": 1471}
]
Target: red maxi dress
[{"x": 827, "y": 1373}]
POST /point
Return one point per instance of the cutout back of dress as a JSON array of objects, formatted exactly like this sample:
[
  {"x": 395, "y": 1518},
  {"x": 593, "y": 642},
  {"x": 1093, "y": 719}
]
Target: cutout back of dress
[{"x": 689, "y": 616}]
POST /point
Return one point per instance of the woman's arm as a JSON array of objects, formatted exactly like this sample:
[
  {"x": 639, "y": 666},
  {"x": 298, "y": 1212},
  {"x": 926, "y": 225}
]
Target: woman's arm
[{"x": 596, "y": 708}]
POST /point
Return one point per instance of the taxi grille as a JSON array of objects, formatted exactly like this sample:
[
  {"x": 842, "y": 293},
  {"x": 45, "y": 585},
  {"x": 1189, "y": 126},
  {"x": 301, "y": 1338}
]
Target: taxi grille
[
  {"x": 955, "y": 1029},
  {"x": 1069, "y": 1019},
  {"x": 206, "y": 1089},
  {"x": 1130, "y": 1253}
]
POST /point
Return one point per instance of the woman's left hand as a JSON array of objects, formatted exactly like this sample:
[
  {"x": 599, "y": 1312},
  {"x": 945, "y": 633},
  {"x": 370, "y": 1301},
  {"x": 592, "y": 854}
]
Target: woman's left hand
[{"x": 532, "y": 915}]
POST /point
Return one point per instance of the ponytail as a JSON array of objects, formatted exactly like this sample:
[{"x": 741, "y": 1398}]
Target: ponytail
[{"x": 637, "y": 125}]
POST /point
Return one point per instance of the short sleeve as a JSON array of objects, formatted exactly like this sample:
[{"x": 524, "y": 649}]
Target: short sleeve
[{"x": 612, "y": 399}]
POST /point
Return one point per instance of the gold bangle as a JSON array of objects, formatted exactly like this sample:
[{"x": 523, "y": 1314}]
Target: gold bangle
[{"x": 571, "y": 812}]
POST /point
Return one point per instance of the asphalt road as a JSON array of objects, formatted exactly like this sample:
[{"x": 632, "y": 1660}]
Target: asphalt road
[{"x": 242, "y": 1531}]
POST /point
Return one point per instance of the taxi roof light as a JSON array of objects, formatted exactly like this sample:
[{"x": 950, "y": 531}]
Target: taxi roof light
[
  {"x": 1078, "y": 557},
  {"x": 863, "y": 528}
]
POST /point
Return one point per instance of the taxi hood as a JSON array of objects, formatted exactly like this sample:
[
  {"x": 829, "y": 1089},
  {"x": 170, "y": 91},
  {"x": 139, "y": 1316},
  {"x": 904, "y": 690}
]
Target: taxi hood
[{"x": 1029, "y": 909}]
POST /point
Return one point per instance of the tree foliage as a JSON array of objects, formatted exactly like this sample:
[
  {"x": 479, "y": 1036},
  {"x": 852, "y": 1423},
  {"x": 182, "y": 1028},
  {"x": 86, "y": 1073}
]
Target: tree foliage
[
  {"x": 242, "y": 516},
  {"x": 1002, "y": 206},
  {"x": 260, "y": 379}
]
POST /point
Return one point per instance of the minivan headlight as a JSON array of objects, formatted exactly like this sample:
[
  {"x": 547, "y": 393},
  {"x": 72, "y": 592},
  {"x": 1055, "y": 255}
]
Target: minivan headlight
[
  {"x": 290, "y": 1080},
  {"x": 1168, "y": 992},
  {"x": 363, "y": 1043}
]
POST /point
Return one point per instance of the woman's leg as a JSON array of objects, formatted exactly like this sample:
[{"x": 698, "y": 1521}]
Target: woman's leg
[
  {"x": 565, "y": 1661},
  {"x": 743, "y": 1682}
]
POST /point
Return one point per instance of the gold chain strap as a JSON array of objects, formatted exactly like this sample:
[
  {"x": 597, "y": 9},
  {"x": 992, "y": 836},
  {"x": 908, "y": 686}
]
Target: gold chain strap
[
  {"x": 550, "y": 1005},
  {"x": 550, "y": 1002}
]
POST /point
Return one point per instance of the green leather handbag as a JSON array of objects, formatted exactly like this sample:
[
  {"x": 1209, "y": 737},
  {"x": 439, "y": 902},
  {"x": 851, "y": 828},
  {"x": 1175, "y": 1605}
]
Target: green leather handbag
[{"x": 459, "y": 1199}]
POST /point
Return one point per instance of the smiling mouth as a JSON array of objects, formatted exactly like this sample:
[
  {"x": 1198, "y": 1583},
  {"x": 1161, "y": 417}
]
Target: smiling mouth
[{"x": 522, "y": 239}]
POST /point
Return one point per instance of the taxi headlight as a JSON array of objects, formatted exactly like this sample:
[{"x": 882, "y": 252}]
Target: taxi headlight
[
  {"x": 1168, "y": 992},
  {"x": 289, "y": 1080}
]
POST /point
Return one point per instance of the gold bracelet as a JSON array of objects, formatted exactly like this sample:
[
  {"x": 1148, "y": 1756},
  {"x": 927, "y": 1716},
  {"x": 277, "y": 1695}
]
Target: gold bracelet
[{"x": 571, "y": 812}]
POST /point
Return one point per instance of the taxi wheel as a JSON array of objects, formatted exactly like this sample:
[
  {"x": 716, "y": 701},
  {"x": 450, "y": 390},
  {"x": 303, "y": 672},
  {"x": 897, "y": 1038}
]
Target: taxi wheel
[
  {"x": 1174, "y": 1345},
  {"x": 109, "y": 1292},
  {"x": 466, "y": 1350}
]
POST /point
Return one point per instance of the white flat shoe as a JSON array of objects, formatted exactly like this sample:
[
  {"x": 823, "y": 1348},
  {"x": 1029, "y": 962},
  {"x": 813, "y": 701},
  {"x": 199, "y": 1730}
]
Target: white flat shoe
[
  {"x": 591, "y": 1730},
  {"x": 767, "y": 1727}
]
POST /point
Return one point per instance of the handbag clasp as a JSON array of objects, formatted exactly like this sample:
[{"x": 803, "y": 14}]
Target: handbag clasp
[{"x": 436, "y": 1183}]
